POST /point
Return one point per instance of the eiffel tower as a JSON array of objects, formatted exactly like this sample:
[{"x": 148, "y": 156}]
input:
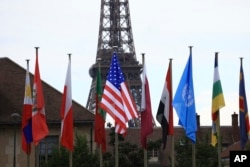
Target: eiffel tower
[{"x": 115, "y": 30}]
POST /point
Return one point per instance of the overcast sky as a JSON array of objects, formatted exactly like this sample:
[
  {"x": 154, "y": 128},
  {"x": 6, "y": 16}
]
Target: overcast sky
[{"x": 162, "y": 29}]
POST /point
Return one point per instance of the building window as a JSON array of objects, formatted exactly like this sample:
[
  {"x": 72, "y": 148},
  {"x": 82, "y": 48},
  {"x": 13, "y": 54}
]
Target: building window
[
  {"x": 46, "y": 147},
  {"x": 153, "y": 155}
]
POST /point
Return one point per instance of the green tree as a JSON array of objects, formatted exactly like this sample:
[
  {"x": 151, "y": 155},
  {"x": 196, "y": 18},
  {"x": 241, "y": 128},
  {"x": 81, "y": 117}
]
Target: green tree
[
  {"x": 206, "y": 155},
  {"x": 248, "y": 147},
  {"x": 58, "y": 157},
  {"x": 154, "y": 144},
  {"x": 82, "y": 157},
  {"x": 183, "y": 151},
  {"x": 129, "y": 154}
]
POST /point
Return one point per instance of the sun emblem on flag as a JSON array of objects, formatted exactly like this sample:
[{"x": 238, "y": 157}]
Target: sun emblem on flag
[{"x": 187, "y": 95}]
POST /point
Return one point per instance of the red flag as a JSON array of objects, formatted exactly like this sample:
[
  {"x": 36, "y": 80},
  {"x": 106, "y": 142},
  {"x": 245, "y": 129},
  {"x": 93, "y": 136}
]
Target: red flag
[
  {"x": 39, "y": 125},
  {"x": 27, "y": 115},
  {"x": 100, "y": 116},
  {"x": 146, "y": 114},
  {"x": 67, "y": 113},
  {"x": 116, "y": 98}
]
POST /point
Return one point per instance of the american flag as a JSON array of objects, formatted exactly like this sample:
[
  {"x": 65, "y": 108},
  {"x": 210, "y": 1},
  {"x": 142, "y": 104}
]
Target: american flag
[{"x": 116, "y": 99}]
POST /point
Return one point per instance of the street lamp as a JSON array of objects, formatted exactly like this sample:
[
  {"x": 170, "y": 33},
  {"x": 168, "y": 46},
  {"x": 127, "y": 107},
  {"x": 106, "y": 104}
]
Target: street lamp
[{"x": 15, "y": 117}]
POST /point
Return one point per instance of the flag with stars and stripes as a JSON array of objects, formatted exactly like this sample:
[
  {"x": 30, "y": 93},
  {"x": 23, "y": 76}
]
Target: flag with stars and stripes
[{"x": 116, "y": 99}]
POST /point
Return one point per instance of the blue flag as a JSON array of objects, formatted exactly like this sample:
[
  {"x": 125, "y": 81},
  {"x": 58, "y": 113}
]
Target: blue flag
[
  {"x": 184, "y": 102},
  {"x": 243, "y": 110}
]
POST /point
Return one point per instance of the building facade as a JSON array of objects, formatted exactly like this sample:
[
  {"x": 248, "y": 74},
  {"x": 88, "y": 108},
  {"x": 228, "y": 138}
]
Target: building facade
[{"x": 12, "y": 84}]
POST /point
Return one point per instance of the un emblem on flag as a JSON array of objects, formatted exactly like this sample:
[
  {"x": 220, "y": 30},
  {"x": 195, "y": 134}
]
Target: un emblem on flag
[
  {"x": 187, "y": 95},
  {"x": 239, "y": 158}
]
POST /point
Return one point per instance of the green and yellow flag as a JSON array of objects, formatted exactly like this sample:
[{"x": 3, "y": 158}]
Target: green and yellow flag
[
  {"x": 217, "y": 102},
  {"x": 100, "y": 115}
]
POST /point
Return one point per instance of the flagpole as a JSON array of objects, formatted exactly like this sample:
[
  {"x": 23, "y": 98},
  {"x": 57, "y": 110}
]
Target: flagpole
[
  {"x": 100, "y": 147},
  {"x": 193, "y": 155},
  {"x": 70, "y": 158},
  {"x": 219, "y": 140},
  {"x": 240, "y": 94},
  {"x": 172, "y": 136},
  {"x": 193, "y": 144},
  {"x": 145, "y": 150},
  {"x": 115, "y": 48},
  {"x": 218, "y": 131},
  {"x": 28, "y": 156},
  {"x": 70, "y": 152},
  {"x": 173, "y": 150},
  {"x": 37, "y": 50},
  {"x": 28, "y": 144},
  {"x": 100, "y": 152},
  {"x": 36, "y": 146},
  {"x": 116, "y": 150}
]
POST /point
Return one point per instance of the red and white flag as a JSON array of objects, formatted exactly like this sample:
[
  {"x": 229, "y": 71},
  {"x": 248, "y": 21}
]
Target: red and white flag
[
  {"x": 67, "y": 113},
  {"x": 39, "y": 125}
]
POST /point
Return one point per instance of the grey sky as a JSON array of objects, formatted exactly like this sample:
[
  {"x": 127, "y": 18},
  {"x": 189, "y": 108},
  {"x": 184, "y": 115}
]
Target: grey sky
[{"x": 162, "y": 29}]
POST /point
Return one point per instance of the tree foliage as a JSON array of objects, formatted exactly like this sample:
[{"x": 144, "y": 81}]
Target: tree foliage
[
  {"x": 205, "y": 154},
  {"x": 248, "y": 147},
  {"x": 129, "y": 154},
  {"x": 81, "y": 156}
]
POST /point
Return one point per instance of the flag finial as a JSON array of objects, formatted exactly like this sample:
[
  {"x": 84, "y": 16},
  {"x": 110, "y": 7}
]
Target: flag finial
[
  {"x": 190, "y": 48},
  {"x": 216, "y": 57},
  {"x": 27, "y": 60},
  {"x": 143, "y": 57},
  {"x": 98, "y": 59},
  {"x": 115, "y": 48},
  {"x": 99, "y": 62},
  {"x": 69, "y": 54},
  {"x": 241, "y": 59},
  {"x": 216, "y": 54},
  {"x": 36, "y": 50}
]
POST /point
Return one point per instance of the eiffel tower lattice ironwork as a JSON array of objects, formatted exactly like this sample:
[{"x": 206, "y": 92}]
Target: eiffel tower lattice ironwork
[{"x": 115, "y": 30}]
